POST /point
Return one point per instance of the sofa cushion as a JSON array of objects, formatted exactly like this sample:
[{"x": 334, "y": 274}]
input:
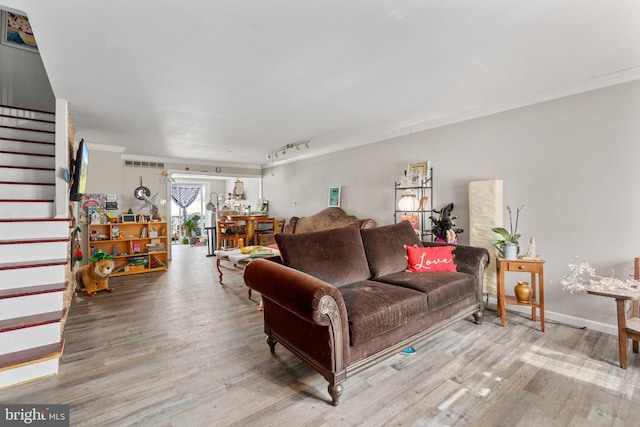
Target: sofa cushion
[
  {"x": 374, "y": 308},
  {"x": 384, "y": 247},
  {"x": 432, "y": 259},
  {"x": 441, "y": 288},
  {"x": 335, "y": 256}
]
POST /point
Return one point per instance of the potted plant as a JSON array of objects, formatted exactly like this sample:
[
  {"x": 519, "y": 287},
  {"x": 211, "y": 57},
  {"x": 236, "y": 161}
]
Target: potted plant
[
  {"x": 508, "y": 247},
  {"x": 189, "y": 226}
]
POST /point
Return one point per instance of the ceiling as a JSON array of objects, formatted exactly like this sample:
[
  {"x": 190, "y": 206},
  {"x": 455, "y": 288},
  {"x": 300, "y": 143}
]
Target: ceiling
[{"x": 231, "y": 81}]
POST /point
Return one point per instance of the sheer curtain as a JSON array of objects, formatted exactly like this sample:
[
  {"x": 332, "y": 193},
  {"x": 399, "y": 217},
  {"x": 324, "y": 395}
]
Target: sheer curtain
[{"x": 184, "y": 195}]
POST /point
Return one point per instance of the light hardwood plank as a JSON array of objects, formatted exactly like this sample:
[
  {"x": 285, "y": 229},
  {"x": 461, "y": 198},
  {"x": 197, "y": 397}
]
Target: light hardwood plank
[{"x": 178, "y": 349}]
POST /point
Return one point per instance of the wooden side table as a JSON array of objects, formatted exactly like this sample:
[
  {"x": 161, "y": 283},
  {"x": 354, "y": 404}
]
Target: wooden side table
[{"x": 533, "y": 266}]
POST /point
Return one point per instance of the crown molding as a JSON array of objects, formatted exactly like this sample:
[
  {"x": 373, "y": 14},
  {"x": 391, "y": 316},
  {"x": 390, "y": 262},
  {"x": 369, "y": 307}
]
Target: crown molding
[
  {"x": 103, "y": 147},
  {"x": 408, "y": 128},
  {"x": 612, "y": 79}
]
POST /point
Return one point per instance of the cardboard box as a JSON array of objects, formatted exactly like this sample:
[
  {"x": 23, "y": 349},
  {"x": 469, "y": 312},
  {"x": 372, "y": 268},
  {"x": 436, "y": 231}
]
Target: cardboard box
[{"x": 134, "y": 268}]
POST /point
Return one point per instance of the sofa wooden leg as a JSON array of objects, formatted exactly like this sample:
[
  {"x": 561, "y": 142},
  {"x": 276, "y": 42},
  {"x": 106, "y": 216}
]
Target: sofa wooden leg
[
  {"x": 335, "y": 391},
  {"x": 272, "y": 344}
]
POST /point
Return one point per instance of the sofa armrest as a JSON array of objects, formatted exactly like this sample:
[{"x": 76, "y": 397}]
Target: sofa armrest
[
  {"x": 470, "y": 260},
  {"x": 298, "y": 292}
]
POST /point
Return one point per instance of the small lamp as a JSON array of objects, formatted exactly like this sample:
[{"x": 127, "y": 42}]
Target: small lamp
[
  {"x": 210, "y": 206},
  {"x": 408, "y": 202}
]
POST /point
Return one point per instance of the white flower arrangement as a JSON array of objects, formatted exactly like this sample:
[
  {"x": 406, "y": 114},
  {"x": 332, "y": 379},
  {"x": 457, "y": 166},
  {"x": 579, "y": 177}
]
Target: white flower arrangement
[{"x": 583, "y": 278}]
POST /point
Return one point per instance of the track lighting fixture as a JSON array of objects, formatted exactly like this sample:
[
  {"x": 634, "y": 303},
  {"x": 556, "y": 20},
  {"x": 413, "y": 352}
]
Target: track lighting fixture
[{"x": 283, "y": 150}]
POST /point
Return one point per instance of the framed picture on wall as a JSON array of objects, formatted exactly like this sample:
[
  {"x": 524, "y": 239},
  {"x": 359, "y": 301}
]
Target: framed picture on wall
[
  {"x": 334, "y": 196},
  {"x": 16, "y": 32},
  {"x": 417, "y": 172}
]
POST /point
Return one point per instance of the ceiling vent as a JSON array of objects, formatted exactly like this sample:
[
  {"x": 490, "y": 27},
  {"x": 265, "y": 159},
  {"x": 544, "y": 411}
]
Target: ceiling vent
[{"x": 140, "y": 164}]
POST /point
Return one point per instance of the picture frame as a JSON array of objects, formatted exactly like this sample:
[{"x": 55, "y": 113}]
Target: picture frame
[
  {"x": 16, "y": 32},
  {"x": 334, "y": 196},
  {"x": 417, "y": 172},
  {"x": 413, "y": 220},
  {"x": 127, "y": 218}
]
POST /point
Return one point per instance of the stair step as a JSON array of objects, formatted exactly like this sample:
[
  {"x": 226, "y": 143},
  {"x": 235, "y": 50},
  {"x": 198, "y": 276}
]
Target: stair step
[
  {"x": 25, "y": 175},
  {"x": 26, "y": 332},
  {"x": 20, "y": 338},
  {"x": 12, "y": 133},
  {"x": 25, "y": 183},
  {"x": 17, "y": 117},
  {"x": 25, "y": 153},
  {"x": 35, "y": 168},
  {"x": 27, "y": 112},
  {"x": 8, "y": 159},
  {"x": 26, "y": 274},
  {"x": 32, "y": 355},
  {"x": 27, "y": 146},
  {"x": 18, "y": 209},
  {"x": 33, "y": 264},
  {"x": 26, "y": 123},
  {"x": 32, "y": 290},
  {"x": 19, "y": 306},
  {"x": 18, "y": 250},
  {"x": 38, "y": 227},
  {"x": 48, "y": 131},
  {"x": 21, "y": 191},
  {"x": 33, "y": 240},
  {"x": 32, "y": 364},
  {"x": 31, "y": 321}
]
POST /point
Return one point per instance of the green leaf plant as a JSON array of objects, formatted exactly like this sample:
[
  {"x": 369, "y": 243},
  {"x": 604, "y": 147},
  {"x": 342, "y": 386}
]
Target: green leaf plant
[{"x": 509, "y": 237}]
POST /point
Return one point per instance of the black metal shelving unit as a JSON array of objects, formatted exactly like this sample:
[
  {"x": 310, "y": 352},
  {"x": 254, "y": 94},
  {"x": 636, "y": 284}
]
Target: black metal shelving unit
[{"x": 421, "y": 217}]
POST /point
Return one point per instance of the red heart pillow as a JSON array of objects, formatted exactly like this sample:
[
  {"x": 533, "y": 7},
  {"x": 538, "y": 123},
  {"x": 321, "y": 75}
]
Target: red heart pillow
[{"x": 430, "y": 259}]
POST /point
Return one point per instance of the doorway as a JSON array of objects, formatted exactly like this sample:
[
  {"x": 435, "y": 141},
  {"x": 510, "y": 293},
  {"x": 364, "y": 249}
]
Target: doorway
[
  {"x": 187, "y": 213},
  {"x": 206, "y": 189}
]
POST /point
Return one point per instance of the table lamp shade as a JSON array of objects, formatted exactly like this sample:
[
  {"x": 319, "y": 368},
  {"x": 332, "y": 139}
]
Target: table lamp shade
[{"x": 408, "y": 202}]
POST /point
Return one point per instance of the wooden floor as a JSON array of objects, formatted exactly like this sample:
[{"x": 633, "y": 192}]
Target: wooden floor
[{"x": 177, "y": 349}]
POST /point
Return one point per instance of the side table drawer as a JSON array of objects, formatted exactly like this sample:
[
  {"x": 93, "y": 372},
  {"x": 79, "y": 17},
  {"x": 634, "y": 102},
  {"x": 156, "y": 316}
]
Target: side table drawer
[{"x": 522, "y": 266}]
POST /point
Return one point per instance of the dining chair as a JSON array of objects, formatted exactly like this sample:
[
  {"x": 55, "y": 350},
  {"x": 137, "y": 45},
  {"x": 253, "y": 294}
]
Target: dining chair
[
  {"x": 264, "y": 226},
  {"x": 279, "y": 226},
  {"x": 229, "y": 234}
]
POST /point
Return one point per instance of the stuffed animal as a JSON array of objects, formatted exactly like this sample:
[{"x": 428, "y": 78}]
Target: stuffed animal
[
  {"x": 95, "y": 275},
  {"x": 443, "y": 226}
]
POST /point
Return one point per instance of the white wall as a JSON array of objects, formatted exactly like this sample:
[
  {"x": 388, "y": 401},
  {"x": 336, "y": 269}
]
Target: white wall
[
  {"x": 573, "y": 163},
  {"x": 23, "y": 80}
]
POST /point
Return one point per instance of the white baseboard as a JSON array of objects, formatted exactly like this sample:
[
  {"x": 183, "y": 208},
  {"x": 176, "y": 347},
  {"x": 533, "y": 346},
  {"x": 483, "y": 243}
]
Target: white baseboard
[{"x": 562, "y": 318}]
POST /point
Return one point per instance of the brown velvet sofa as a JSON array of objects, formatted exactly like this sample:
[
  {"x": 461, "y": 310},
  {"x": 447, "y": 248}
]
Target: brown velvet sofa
[
  {"x": 326, "y": 219},
  {"x": 341, "y": 300}
]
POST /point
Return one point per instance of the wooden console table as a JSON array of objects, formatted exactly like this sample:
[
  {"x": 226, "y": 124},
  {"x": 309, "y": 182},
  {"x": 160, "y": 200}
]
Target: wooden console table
[{"x": 533, "y": 266}]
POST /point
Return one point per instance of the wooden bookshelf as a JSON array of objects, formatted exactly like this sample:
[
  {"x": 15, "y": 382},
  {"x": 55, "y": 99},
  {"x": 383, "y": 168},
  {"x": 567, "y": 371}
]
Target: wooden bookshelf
[{"x": 136, "y": 247}]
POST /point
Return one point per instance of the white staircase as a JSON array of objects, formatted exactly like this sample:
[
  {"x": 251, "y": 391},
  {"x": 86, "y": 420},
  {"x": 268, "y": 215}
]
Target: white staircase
[{"x": 34, "y": 248}]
